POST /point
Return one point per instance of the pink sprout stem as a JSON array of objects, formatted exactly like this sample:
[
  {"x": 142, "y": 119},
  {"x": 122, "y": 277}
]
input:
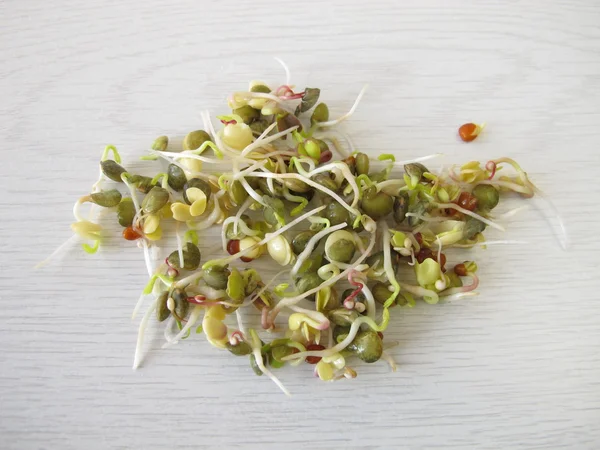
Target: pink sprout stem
[
  {"x": 359, "y": 287},
  {"x": 490, "y": 166},
  {"x": 264, "y": 319},
  {"x": 236, "y": 337},
  {"x": 462, "y": 290},
  {"x": 287, "y": 93}
]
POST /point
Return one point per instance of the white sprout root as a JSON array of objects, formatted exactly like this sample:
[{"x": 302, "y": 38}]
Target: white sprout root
[
  {"x": 349, "y": 113},
  {"x": 388, "y": 358},
  {"x": 59, "y": 253},
  {"x": 138, "y": 357}
]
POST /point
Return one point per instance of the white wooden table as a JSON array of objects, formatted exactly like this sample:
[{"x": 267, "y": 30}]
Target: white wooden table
[{"x": 516, "y": 367}]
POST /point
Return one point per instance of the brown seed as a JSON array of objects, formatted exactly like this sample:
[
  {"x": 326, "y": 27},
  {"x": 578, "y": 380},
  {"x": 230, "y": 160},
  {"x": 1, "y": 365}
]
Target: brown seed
[
  {"x": 467, "y": 201},
  {"x": 469, "y": 132},
  {"x": 130, "y": 234},
  {"x": 314, "y": 359},
  {"x": 460, "y": 270}
]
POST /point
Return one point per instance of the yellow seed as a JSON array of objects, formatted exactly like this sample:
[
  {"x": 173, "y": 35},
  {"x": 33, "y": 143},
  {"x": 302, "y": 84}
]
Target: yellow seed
[
  {"x": 280, "y": 250},
  {"x": 324, "y": 371},
  {"x": 165, "y": 212},
  {"x": 191, "y": 164},
  {"x": 295, "y": 320},
  {"x": 156, "y": 236},
  {"x": 213, "y": 328},
  {"x": 336, "y": 360},
  {"x": 198, "y": 199},
  {"x": 181, "y": 212},
  {"x": 248, "y": 242},
  {"x": 194, "y": 194},
  {"x": 198, "y": 207},
  {"x": 443, "y": 195},
  {"x": 151, "y": 223},
  {"x": 306, "y": 331},
  {"x": 216, "y": 312},
  {"x": 237, "y": 135}
]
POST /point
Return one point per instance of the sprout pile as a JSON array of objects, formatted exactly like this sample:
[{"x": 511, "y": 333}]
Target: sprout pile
[{"x": 353, "y": 236}]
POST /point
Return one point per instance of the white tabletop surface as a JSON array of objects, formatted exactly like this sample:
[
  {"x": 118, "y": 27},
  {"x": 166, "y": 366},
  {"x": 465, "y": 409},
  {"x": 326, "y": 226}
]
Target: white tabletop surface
[{"x": 516, "y": 367}]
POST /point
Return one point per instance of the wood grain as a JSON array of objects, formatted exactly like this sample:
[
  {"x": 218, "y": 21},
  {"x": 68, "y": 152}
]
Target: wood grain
[{"x": 516, "y": 367}]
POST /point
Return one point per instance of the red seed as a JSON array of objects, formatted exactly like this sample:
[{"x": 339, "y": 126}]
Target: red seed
[
  {"x": 233, "y": 246},
  {"x": 442, "y": 262},
  {"x": 467, "y": 201},
  {"x": 246, "y": 259},
  {"x": 419, "y": 238},
  {"x": 313, "y": 359},
  {"x": 325, "y": 157},
  {"x": 469, "y": 132},
  {"x": 380, "y": 334},
  {"x": 423, "y": 254},
  {"x": 130, "y": 234},
  {"x": 460, "y": 270}
]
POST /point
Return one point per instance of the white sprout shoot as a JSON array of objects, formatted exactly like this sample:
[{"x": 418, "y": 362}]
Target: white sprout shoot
[
  {"x": 242, "y": 225},
  {"x": 387, "y": 261},
  {"x": 286, "y": 69},
  {"x": 359, "y": 242},
  {"x": 238, "y": 316},
  {"x": 136, "y": 204},
  {"x": 312, "y": 314},
  {"x": 179, "y": 244},
  {"x": 342, "y": 167},
  {"x": 256, "y": 351},
  {"x": 190, "y": 154},
  {"x": 427, "y": 218},
  {"x": 486, "y": 243},
  {"x": 370, "y": 300},
  {"x": 260, "y": 142},
  {"x": 563, "y": 237},
  {"x": 331, "y": 135},
  {"x": 471, "y": 213},
  {"x": 191, "y": 321},
  {"x": 310, "y": 245},
  {"x": 428, "y": 295},
  {"x": 202, "y": 175},
  {"x": 510, "y": 213},
  {"x": 408, "y": 161},
  {"x": 252, "y": 168},
  {"x": 238, "y": 215},
  {"x": 330, "y": 123},
  {"x": 169, "y": 333},
  {"x": 251, "y": 191},
  {"x": 328, "y": 271}
]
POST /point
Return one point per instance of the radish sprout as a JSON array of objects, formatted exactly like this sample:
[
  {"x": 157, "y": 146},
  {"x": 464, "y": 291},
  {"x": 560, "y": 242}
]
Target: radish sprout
[{"x": 344, "y": 260}]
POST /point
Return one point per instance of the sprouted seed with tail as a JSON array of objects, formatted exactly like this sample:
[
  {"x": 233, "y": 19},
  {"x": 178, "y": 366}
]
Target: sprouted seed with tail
[{"x": 354, "y": 238}]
